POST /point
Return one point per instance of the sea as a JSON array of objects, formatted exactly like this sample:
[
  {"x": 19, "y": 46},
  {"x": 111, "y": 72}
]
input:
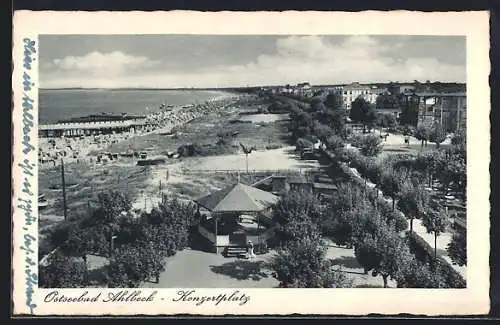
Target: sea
[{"x": 61, "y": 104}]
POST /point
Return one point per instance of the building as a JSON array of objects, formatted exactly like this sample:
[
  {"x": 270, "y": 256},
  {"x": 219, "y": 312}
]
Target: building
[
  {"x": 448, "y": 109},
  {"x": 303, "y": 89},
  {"x": 407, "y": 88},
  {"x": 92, "y": 125},
  {"x": 354, "y": 90},
  {"x": 235, "y": 215}
]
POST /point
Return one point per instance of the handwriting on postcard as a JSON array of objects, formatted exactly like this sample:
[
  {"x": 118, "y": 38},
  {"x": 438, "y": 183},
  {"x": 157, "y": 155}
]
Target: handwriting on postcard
[{"x": 26, "y": 200}]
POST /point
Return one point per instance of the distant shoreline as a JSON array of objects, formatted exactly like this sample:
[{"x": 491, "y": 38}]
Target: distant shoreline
[{"x": 148, "y": 89}]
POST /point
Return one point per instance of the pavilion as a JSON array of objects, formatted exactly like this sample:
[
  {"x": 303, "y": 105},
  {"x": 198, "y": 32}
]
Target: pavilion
[{"x": 236, "y": 214}]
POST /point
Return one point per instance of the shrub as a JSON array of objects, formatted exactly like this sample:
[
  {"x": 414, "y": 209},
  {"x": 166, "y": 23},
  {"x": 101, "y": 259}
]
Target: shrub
[
  {"x": 437, "y": 134},
  {"x": 371, "y": 145},
  {"x": 303, "y": 143},
  {"x": 62, "y": 272},
  {"x": 273, "y": 146},
  {"x": 334, "y": 143}
]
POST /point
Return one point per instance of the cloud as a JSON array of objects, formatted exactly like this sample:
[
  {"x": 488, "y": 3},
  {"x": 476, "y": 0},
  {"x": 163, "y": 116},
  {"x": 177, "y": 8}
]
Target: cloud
[
  {"x": 356, "y": 58},
  {"x": 297, "y": 59},
  {"x": 102, "y": 64}
]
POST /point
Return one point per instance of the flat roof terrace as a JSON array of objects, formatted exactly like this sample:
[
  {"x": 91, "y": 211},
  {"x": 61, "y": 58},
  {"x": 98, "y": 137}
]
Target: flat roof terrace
[{"x": 91, "y": 125}]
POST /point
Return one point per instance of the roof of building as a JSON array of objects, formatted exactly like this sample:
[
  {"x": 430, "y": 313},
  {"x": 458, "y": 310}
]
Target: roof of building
[
  {"x": 238, "y": 198},
  {"x": 90, "y": 125},
  {"x": 101, "y": 118},
  {"x": 325, "y": 186}
]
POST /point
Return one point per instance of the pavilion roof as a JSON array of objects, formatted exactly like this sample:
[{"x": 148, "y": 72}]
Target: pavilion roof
[{"x": 238, "y": 198}]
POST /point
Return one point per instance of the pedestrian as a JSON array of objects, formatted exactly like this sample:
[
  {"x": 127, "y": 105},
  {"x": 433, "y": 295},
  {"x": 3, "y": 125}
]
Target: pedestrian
[
  {"x": 250, "y": 252},
  {"x": 407, "y": 140}
]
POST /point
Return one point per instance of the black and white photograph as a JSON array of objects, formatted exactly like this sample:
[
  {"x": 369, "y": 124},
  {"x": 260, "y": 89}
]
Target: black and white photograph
[
  {"x": 267, "y": 163},
  {"x": 252, "y": 161}
]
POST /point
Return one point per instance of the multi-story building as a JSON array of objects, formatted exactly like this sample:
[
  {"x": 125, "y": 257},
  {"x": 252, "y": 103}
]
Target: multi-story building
[
  {"x": 352, "y": 91},
  {"x": 448, "y": 109},
  {"x": 303, "y": 89}
]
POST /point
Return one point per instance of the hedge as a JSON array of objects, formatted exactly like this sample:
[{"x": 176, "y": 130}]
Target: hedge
[{"x": 425, "y": 252}]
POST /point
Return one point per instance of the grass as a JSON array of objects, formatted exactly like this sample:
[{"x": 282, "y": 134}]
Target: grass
[{"x": 85, "y": 182}]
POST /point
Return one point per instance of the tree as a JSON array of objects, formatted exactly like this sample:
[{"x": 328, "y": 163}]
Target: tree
[
  {"x": 335, "y": 143},
  {"x": 435, "y": 220},
  {"x": 414, "y": 274},
  {"x": 394, "y": 218},
  {"x": 301, "y": 124},
  {"x": 387, "y": 101},
  {"x": 62, "y": 272},
  {"x": 428, "y": 163},
  {"x": 437, "y": 134},
  {"x": 413, "y": 201},
  {"x": 457, "y": 248},
  {"x": 322, "y": 131},
  {"x": 127, "y": 267},
  {"x": 334, "y": 101},
  {"x": 297, "y": 214},
  {"x": 390, "y": 184},
  {"x": 422, "y": 134},
  {"x": 302, "y": 264},
  {"x": 303, "y": 143},
  {"x": 409, "y": 110},
  {"x": 378, "y": 247},
  {"x": 112, "y": 205},
  {"x": 386, "y": 120},
  {"x": 333, "y": 114},
  {"x": 339, "y": 220},
  {"x": 459, "y": 139},
  {"x": 363, "y": 112},
  {"x": 371, "y": 145}
]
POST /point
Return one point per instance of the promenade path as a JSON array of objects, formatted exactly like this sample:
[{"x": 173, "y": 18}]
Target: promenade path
[
  {"x": 442, "y": 241},
  {"x": 197, "y": 269}
]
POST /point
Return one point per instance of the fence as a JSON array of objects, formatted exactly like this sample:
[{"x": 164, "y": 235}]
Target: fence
[{"x": 253, "y": 172}]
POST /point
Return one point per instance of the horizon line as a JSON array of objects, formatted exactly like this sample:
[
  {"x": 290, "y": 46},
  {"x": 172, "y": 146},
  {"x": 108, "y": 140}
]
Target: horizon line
[{"x": 245, "y": 87}]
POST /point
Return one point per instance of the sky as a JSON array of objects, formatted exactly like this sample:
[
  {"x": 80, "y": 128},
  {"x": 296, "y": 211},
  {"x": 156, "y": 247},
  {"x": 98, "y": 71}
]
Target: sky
[{"x": 210, "y": 61}]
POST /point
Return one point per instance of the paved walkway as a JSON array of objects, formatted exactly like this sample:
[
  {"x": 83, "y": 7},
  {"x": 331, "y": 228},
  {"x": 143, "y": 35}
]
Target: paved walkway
[{"x": 197, "y": 269}]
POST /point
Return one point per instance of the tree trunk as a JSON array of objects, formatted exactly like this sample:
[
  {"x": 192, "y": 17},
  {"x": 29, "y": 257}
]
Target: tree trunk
[
  {"x": 393, "y": 203},
  {"x": 384, "y": 277},
  {"x": 435, "y": 245},
  {"x": 422, "y": 146},
  {"x": 411, "y": 224},
  {"x": 86, "y": 275}
]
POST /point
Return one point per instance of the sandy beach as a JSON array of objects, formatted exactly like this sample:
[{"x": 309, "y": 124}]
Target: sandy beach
[{"x": 82, "y": 148}]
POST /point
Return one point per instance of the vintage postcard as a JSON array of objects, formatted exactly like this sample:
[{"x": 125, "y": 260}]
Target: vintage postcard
[{"x": 233, "y": 163}]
